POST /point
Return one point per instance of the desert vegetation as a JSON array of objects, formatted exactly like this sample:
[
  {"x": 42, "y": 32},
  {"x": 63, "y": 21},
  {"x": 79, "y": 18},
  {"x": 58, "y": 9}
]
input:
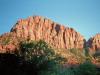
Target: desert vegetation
[{"x": 38, "y": 58}]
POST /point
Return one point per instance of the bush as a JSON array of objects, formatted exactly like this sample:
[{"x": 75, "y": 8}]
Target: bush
[
  {"x": 79, "y": 55},
  {"x": 40, "y": 55},
  {"x": 97, "y": 56},
  {"x": 87, "y": 68},
  {"x": 58, "y": 70}
]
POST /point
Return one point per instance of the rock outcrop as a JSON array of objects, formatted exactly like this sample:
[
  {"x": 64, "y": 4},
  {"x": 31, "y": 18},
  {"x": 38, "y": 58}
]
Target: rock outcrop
[
  {"x": 94, "y": 43},
  {"x": 36, "y": 28}
]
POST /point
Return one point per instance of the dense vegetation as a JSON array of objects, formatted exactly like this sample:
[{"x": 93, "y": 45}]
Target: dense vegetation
[{"x": 38, "y": 58}]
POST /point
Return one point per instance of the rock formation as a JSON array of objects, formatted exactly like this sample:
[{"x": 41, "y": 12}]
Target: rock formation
[
  {"x": 94, "y": 43},
  {"x": 36, "y": 28}
]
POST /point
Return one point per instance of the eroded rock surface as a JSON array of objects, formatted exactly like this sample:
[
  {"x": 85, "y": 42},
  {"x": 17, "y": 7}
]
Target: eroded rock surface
[
  {"x": 94, "y": 43},
  {"x": 36, "y": 28}
]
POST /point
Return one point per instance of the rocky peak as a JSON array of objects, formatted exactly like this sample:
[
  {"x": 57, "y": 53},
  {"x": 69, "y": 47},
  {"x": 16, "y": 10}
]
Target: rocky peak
[
  {"x": 94, "y": 43},
  {"x": 37, "y": 27},
  {"x": 57, "y": 35}
]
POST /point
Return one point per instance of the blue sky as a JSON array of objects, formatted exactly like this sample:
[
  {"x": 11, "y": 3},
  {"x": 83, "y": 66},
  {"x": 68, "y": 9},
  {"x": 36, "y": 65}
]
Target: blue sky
[{"x": 82, "y": 15}]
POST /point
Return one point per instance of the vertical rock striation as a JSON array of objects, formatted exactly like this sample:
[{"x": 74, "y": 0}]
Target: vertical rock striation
[
  {"x": 94, "y": 43},
  {"x": 36, "y": 28}
]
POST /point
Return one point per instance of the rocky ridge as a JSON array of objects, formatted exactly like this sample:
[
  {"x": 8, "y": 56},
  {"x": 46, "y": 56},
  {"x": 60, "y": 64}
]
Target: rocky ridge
[
  {"x": 36, "y": 28},
  {"x": 94, "y": 43}
]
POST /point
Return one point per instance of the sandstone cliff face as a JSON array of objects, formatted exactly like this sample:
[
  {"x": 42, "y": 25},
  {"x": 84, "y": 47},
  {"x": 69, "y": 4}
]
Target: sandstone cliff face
[
  {"x": 36, "y": 28},
  {"x": 94, "y": 43},
  {"x": 8, "y": 42}
]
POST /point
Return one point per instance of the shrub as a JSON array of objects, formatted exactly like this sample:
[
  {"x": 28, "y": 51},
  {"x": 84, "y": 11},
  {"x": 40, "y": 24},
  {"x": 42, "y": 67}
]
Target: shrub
[
  {"x": 79, "y": 55},
  {"x": 97, "y": 56},
  {"x": 40, "y": 55},
  {"x": 87, "y": 68},
  {"x": 58, "y": 70}
]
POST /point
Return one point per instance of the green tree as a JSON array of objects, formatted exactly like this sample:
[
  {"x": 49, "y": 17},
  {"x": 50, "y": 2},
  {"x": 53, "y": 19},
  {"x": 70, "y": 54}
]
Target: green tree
[{"x": 39, "y": 54}]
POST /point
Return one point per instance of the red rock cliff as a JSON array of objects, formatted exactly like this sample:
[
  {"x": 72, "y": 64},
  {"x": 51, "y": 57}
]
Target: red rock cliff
[
  {"x": 94, "y": 43},
  {"x": 37, "y": 27}
]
